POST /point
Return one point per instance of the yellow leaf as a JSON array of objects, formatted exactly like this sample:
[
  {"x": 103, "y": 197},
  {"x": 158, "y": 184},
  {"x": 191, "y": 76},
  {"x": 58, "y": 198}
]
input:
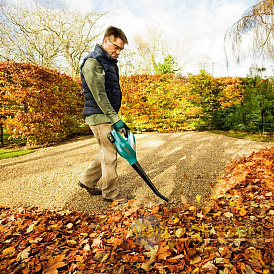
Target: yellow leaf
[
  {"x": 69, "y": 225},
  {"x": 218, "y": 214},
  {"x": 72, "y": 242},
  {"x": 180, "y": 232},
  {"x": 233, "y": 203},
  {"x": 176, "y": 220},
  {"x": 31, "y": 227},
  {"x": 105, "y": 258},
  {"x": 198, "y": 198},
  {"x": 242, "y": 212},
  {"x": 8, "y": 251},
  {"x": 195, "y": 260}
]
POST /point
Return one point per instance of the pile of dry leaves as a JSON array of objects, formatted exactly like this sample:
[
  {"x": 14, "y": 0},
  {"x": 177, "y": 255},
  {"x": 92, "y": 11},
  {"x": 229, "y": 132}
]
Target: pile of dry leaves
[{"x": 233, "y": 233}]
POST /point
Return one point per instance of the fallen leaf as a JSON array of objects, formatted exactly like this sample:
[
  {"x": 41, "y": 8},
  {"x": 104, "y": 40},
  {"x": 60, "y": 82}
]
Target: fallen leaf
[
  {"x": 24, "y": 254},
  {"x": 195, "y": 260},
  {"x": 8, "y": 251},
  {"x": 180, "y": 232},
  {"x": 253, "y": 204},
  {"x": 164, "y": 252},
  {"x": 242, "y": 212},
  {"x": 31, "y": 227},
  {"x": 228, "y": 215},
  {"x": 70, "y": 225},
  {"x": 198, "y": 198},
  {"x": 72, "y": 242},
  {"x": 209, "y": 266},
  {"x": 97, "y": 242},
  {"x": 176, "y": 220},
  {"x": 192, "y": 208},
  {"x": 152, "y": 254},
  {"x": 53, "y": 264},
  {"x": 153, "y": 251},
  {"x": 99, "y": 255},
  {"x": 176, "y": 258}
]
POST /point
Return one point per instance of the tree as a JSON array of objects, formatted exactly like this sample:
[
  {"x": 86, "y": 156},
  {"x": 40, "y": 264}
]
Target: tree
[
  {"x": 127, "y": 63},
  {"x": 51, "y": 37},
  {"x": 169, "y": 66},
  {"x": 157, "y": 45},
  {"x": 257, "y": 21}
]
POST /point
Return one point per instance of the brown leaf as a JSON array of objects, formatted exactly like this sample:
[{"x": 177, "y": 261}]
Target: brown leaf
[
  {"x": 24, "y": 254},
  {"x": 163, "y": 253},
  {"x": 100, "y": 255},
  {"x": 53, "y": 264}
]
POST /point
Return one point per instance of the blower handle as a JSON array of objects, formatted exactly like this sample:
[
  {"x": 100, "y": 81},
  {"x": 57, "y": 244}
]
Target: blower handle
[{"x": 141, "y": 172}]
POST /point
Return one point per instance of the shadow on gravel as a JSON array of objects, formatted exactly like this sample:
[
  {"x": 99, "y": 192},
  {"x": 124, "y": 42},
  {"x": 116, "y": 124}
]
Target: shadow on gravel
[{"x": 180, "y": 165}]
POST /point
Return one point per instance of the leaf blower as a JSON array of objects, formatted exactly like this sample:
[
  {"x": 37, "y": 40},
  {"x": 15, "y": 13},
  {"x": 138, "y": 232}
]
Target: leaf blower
[{"x": 126, "y": 147}]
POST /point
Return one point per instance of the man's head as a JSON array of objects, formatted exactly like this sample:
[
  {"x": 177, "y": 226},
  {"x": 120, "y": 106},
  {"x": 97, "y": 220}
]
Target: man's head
[{"x": 114, "y": 41}]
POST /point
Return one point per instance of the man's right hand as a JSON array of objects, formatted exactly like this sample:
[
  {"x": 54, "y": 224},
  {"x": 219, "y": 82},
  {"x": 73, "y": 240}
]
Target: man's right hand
[{"x": 121, "y": 127}]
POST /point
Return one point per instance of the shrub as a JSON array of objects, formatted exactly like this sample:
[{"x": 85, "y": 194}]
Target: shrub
[{"x": 39, "y": 104}]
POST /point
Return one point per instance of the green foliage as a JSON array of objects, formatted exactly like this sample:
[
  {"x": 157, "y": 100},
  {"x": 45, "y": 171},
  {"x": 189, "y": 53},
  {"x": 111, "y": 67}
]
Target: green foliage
[
  {"x": 200, "y": 102},
  {"x": 255, "y": 112},
  {"x": 168, "y": 67}
]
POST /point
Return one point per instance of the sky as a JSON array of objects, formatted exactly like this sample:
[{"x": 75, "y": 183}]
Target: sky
[{"x": 201, "y": 24}]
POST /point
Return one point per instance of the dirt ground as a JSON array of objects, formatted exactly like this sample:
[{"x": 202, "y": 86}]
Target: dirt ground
[{"x": 181, "y": 166}]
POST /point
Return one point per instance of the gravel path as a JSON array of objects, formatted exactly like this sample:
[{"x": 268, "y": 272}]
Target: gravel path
[{"x": 179, "y": 164}]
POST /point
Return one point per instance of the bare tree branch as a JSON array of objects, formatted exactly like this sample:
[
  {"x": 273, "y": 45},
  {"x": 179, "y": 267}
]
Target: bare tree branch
[
  {"x": 51, "y": 37},
  {"x": 257, "y": 21}
]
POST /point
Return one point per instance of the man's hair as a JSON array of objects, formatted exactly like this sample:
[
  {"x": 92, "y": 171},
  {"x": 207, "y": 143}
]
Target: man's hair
[{"x": 117, "y": 33}]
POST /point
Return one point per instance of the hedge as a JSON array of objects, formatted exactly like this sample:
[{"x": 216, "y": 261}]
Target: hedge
[
  {"x": 165, "y": 103},
  {"x": 43, "y": 105},
  {"x": 38, "y": 104}
]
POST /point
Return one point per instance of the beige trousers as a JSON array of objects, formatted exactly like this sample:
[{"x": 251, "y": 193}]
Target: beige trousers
[{"x": 104, "y": 165}]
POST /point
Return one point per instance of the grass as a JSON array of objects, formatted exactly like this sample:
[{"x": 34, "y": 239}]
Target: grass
[
  {"x": 9, "y": 153},
  {"x": 246, "y": 135}
]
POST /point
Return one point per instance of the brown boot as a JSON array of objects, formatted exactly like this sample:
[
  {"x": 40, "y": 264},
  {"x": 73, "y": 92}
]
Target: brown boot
[
  {"x": 91, "y": 190},
  {"x": 120, "y": 198}
]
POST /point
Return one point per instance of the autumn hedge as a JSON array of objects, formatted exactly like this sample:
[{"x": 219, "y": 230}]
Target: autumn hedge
[
  {"x": 39, "y": 104},
  {"x": 43, "y": 105},
  {"x": 165, "y": 103}
]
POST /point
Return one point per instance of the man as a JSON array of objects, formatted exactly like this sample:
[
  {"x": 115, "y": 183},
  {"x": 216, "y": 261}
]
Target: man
[{"x": 101, "y": 90}]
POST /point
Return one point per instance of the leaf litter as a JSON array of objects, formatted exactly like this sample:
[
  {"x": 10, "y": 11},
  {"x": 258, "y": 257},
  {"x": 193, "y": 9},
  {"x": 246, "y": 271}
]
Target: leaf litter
[{"x": 231, "y": 233}]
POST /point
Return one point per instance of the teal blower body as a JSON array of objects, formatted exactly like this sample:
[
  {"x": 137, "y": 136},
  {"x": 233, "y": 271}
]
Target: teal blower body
[{"x": 126, "y": 147}]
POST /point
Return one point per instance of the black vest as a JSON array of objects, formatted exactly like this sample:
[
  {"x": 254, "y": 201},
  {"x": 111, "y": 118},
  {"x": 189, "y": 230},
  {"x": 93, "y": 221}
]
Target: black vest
[{"x": 112, "y": 86}]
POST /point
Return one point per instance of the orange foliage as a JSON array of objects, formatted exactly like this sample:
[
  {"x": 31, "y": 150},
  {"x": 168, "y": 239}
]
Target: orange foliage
[
  {"x": 165, "y": 103},
  {"x": 39, "y": 104}
]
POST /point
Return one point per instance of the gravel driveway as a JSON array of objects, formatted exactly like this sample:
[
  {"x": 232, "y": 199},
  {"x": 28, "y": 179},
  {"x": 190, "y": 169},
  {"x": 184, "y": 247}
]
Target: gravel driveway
[{"x": 179, "y": 164}]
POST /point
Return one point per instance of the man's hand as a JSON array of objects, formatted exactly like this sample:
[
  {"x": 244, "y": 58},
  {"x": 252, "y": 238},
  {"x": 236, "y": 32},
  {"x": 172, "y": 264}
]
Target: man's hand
[{"x": 121, "y": 127}]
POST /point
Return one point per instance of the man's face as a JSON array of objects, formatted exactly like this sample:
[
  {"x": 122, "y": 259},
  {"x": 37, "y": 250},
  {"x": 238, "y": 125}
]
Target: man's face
[{"x": 113, "y": 46}]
